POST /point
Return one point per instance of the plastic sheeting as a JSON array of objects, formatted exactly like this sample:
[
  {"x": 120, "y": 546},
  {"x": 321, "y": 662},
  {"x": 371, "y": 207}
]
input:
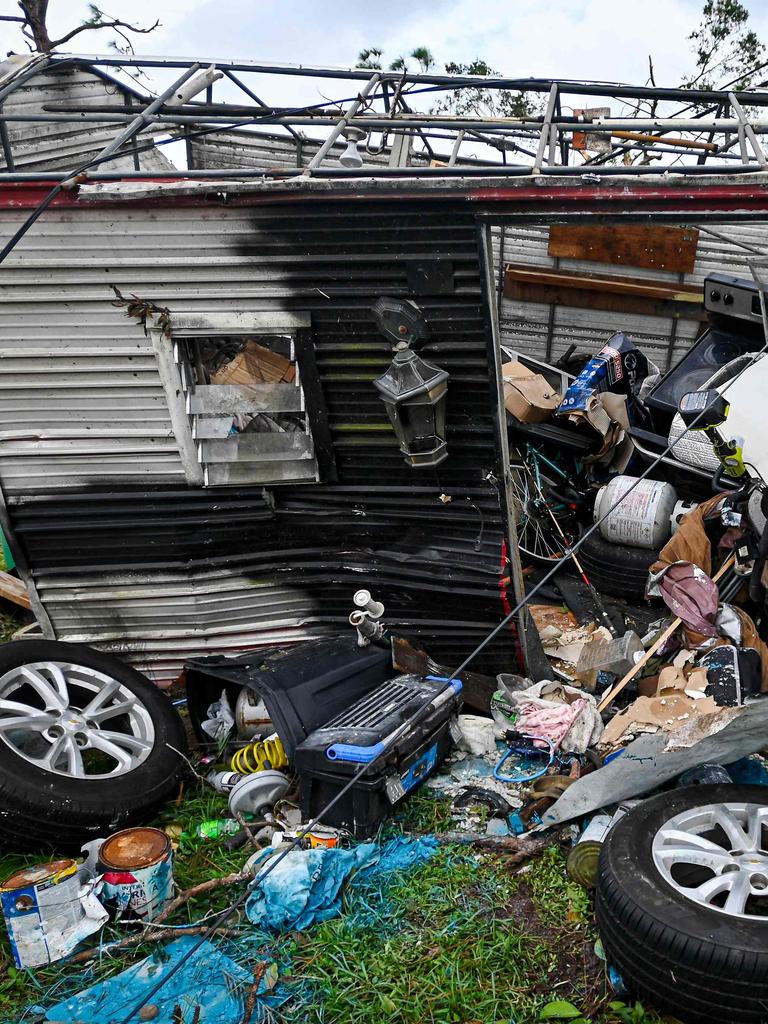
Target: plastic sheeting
[
  {"x": 306, "y": 886},
  {"x": 209, "y": 981}
]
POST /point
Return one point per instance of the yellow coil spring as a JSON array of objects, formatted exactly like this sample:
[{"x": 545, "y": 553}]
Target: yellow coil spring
[{"x": 258, "y": 756}]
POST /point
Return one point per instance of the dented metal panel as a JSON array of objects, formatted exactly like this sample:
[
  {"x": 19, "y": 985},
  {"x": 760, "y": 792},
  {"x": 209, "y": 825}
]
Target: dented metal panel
[{"x": 125, "y": 553}]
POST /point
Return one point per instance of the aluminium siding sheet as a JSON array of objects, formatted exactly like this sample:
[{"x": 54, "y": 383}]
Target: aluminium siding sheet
[{"x": 124, "y": 554}]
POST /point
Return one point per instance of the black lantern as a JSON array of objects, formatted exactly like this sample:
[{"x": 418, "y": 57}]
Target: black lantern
[{"x": 414, "y": 393}]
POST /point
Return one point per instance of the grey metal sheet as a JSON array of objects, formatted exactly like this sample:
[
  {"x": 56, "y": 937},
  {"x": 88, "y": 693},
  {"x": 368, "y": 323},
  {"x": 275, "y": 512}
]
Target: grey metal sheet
[
  {"x": 258, "y": 447},
  {"x": 245, "y": 399}
]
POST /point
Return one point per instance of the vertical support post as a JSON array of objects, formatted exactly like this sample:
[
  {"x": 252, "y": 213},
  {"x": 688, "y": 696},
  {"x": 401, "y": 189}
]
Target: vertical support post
[
  {"x": 485, "y": 245},
  {"x": 456, "y": 146},
  {"x": 545, "y": 139}
]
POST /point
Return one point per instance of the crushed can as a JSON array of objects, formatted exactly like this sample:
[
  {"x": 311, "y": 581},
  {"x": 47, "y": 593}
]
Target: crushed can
[
  {"x": 137, "y": 869},
  {"x": 48, "y": 912}
]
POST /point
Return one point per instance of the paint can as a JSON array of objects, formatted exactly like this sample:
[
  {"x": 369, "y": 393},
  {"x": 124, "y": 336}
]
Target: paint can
[
  {"x": 137, "y": 869},
  {"x": 46, "y": 913},
  {"x": 321, "y": 837},
  {"x": 582, "y": 861}
]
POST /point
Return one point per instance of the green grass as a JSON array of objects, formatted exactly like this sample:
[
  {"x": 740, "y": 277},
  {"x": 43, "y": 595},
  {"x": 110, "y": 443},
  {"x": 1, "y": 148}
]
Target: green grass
[
  {"x": 8, "y": 626},
  {"x": 461, "y": 940}
]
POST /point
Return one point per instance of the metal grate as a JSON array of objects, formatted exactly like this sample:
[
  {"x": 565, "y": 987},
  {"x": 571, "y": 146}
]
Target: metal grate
[{"x": 374, "y": 709}]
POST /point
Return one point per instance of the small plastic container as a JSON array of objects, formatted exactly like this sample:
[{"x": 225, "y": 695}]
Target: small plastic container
[{"x": 617, "y": 655}]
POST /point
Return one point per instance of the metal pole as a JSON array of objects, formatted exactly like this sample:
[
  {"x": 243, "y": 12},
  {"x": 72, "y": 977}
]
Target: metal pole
[
  {"x": 342, "y": 123},
  {"x": 747, "y": 129},
  {"x": 544, "y": 138},
  {"x": 144, "y": 118}
]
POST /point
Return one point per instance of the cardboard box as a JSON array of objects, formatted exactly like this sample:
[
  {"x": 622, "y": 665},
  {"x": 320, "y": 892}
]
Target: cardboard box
[
  {"x": 528, "y": 396},
  {"x": 256, "y": 365}
]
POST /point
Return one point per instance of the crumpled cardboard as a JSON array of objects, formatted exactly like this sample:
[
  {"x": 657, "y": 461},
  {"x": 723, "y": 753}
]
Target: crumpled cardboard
[
  {"x": 663, "y": 713},
  {"x": 256, "y": 365},
  {"x": 528, "y": 396}
]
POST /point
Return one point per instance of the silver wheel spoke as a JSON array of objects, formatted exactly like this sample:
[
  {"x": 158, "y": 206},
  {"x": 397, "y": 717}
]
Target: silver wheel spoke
[
  {"x": 740, "y": 890},
  {"x": 715, "y": 859},
  {"x": 728, "y": 822},
  {"x": 32, "y": 723},
  {"x": 74, "y": 757},
  {"x": 104, "y": 696},
  {"x": 707, "y": 891},
  {"x": 755, "y": 820},
  {"x": 51, "y": 695},
  {"x": 23, "y": 716},
  {"x": 53, "y": 756},
  {"x": 123, "y": 708},
  {"x": 118, "y": 746}
]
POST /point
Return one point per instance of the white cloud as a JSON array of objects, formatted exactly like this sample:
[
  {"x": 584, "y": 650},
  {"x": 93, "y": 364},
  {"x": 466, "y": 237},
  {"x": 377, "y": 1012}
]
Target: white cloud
[{"x": 600, "y": 39}]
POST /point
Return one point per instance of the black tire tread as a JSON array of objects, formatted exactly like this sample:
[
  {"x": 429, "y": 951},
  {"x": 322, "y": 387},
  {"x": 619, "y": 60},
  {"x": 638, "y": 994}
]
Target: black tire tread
[
  {"x": 39, "y": 810},
  {"x": 616, "y": 569},
  {"x": 697, "y": 964}
]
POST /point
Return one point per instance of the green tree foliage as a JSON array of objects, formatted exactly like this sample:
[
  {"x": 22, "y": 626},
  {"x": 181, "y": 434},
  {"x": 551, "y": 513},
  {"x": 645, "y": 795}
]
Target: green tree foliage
[
  {"x": 727, "y": 50},
  {"x": 472, "y": 101}
]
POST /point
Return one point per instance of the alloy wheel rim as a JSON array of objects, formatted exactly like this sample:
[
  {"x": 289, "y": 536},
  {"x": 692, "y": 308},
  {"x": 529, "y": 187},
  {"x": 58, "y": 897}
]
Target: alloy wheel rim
[
  {"x": 716, "y": 856},
  {"x": 73, "y": 721}
]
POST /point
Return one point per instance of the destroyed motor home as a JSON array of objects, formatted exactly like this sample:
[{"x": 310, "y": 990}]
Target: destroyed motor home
[{"x": 364, "y": 453}]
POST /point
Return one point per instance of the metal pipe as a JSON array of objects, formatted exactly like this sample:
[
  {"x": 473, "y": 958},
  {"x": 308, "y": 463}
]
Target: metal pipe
[
  {"x": 570, "y": 87},
  {"x": 341, "y": 124},
  {"x": 494, "y": 171},
  {"x": 747, "y": 129},
  {"x": 379, "y": 121}
]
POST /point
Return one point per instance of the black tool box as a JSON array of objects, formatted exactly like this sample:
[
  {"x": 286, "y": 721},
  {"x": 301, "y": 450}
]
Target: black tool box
[{"x": 327, "y": 759}]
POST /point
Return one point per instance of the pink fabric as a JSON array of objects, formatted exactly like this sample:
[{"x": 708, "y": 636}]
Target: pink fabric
[{"x": 553, "y": 721}]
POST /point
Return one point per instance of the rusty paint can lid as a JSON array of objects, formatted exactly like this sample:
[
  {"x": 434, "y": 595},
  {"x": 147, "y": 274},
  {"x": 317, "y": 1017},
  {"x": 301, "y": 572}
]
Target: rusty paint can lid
[
  {"x": 55, "y": 870},
  {"x": 134, "y": 848}
]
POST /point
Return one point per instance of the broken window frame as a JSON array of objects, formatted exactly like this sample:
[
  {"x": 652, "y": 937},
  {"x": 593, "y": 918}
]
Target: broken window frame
[{"x": 171, "y": 354}]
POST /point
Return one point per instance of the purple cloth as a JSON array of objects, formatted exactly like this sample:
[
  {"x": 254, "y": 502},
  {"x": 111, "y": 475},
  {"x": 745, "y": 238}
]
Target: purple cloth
[{"x": 692, "y": 596}]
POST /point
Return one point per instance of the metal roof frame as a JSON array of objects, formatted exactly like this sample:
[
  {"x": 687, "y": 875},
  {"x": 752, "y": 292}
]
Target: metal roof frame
[{"x": 717, "y": 131}]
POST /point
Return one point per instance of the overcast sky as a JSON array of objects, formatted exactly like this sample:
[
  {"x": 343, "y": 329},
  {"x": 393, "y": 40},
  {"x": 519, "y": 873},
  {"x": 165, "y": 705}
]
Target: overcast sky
[{"x": 601, "y": 39}]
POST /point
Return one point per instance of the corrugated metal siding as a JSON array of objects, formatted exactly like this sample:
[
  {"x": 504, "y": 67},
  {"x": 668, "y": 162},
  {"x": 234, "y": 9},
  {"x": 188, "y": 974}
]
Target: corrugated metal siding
[
  {"x": 50, "y": 146},
  {"x": 250, "y": 149},
  {"x": 123, "y": 553},
  {"x": 541, "y": 331}
]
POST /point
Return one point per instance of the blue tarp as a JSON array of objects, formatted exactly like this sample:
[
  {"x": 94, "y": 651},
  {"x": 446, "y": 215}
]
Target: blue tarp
[
  {"x": 209, "y": 980},
  {"x": 306, "y": 885}
]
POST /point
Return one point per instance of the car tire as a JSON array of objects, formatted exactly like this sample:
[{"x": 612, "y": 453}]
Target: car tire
[
  {"x": 113, "y": 773},
  {"x": 616, "y": 569},
  {"x": 674, "y": 952}
]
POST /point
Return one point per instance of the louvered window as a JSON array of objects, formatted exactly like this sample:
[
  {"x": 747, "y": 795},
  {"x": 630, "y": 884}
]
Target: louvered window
[{"x": 238, "y": 392}]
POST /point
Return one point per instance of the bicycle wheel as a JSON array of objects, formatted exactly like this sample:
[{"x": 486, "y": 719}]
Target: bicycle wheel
[{"x": 546, "y": 526}]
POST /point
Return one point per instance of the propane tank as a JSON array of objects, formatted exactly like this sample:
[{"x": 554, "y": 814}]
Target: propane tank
[
  {"x": 643, "y": 520},
  {"x": 682, "y": 508}
]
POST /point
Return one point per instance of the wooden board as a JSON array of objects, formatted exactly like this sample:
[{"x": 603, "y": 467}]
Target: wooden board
[
  {"x": 591, "y": 291},
  {"x": 13, "y": 589},
  {"x": 631, "y": 245}
]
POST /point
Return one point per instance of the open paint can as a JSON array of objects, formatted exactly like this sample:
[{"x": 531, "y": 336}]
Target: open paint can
[
  {"x": 46, "y": 913},
  {"x": 137, "y": 869}
]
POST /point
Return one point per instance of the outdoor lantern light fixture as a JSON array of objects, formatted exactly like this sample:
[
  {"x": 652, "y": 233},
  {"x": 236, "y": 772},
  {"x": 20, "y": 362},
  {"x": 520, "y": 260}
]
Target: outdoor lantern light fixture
[
  {"x": 413, "y": 391},
  {"x": 351, "y": 157}
]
